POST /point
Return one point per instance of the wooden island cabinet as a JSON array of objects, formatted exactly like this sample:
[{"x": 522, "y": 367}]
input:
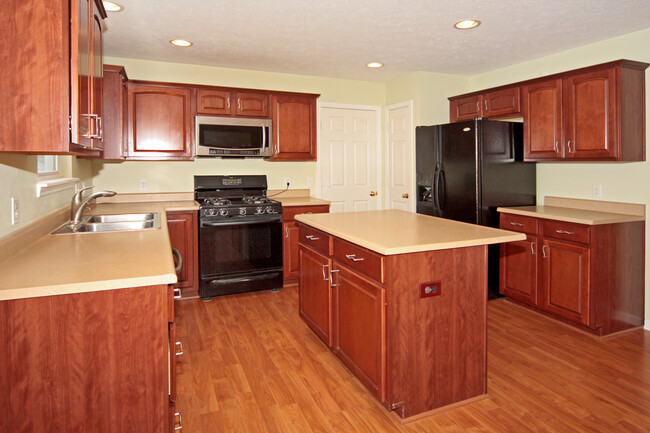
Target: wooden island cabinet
[
  {"x": 580, "y": 266},
  {"x": 400, "y": 298},
  {"x": 291, "y": 259},
  {"x": 184, "y": 237}
]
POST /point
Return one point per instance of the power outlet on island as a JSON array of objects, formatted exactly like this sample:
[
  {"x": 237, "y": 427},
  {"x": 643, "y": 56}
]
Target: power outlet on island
[{"x": 432, "y": 288}]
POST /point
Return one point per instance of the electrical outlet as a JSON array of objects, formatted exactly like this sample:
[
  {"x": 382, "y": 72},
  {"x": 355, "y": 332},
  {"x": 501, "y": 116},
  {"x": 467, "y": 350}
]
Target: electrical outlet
[
  {"x": 596, "y": 191},
  {"x": 143, "y": 184},
  {"x": 287, "y": 182},
  {"x": 15, "y": 211}
]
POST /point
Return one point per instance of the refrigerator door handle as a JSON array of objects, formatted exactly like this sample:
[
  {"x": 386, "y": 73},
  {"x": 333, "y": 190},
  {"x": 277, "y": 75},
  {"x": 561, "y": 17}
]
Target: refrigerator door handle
[
  {"x": 442, "y": 186},
  {"x": 434, "y": 191}
]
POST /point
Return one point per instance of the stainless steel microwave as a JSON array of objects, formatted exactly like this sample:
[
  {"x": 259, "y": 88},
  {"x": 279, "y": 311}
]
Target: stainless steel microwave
[{"x": 233, "y": 137}]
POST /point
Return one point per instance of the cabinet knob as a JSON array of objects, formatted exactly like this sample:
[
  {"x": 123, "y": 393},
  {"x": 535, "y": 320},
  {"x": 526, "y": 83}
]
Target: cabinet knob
[
  {"x": 180, "y": 421},
  {"x": 324, "y": 274},
  {"x": 179, "y": 352},
  {"x": 312, "y": 238},
  {"x": 532, "y": 248},
  {"x": 353, "y": 258},
  {"x": 544, "y": 251},
  {"x": 569, "y": 145},
  {"x": 512, "y": 223}
]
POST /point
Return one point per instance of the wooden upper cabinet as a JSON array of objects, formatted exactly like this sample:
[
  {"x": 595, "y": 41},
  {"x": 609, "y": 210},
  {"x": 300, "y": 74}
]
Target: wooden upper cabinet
[
  {"x": 590, "y": 115},
  {"x": 499, "y": 103},
  {"x": 232, "y": 103},
  {"x": 294, "y": 127},
  {"x": 51, "y": 77},
  {"x": 160, "y": 122},
  {"x": 114, "y": 98},
  {"x": 543, "y": 120}
]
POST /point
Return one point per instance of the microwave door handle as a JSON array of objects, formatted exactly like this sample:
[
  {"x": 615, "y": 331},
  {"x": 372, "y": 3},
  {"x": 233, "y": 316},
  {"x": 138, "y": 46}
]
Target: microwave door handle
[{"x": 263, "y": 136}]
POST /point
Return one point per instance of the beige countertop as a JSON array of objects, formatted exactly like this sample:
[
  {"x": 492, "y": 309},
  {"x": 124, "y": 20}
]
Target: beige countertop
[
  {"x": 300, "y": 201},
  {"x": 581, "y": 211},
  {"x": 63, "y": 264},
  {"x": 397, "y": 232}
]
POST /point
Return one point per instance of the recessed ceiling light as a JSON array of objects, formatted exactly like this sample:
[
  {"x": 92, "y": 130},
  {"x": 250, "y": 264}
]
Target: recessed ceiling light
[
  {"x": 467, "y": 24},
  {"x": 112, "y": 7},
  {"x": 180, "y": 42},
  {"x": 374, "y": 65}
]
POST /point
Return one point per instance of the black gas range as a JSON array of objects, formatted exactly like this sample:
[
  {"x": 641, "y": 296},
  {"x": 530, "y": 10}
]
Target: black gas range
[{"x": 240, "y": 235}]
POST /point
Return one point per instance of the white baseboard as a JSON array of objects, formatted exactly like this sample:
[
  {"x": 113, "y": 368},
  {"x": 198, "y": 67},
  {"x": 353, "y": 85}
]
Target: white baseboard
[{"x": 647, "y": 325}]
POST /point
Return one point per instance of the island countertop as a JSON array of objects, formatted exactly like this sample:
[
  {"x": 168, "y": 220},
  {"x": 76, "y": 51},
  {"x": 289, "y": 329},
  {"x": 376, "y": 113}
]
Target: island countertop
[{"x": 394, "y": 231}]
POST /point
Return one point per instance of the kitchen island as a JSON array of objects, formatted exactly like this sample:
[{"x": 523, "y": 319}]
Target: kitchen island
[{"x": 401, "y": 299}]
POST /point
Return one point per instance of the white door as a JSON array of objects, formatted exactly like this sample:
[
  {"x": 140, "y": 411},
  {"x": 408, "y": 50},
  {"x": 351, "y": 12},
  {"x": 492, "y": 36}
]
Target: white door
[
  {"x": 349, "y": 159},
  {"x": 399, "y": 156}
]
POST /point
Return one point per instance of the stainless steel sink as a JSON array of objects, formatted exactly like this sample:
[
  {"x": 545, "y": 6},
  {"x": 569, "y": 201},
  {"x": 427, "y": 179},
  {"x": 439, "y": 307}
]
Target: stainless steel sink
[
  {"x": 122, "y": 217},
  {"x": 112, "y": 223}
]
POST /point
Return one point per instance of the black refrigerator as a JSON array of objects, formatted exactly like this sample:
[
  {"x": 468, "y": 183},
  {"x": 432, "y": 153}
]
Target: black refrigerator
[{"x": 465, "y": 170}]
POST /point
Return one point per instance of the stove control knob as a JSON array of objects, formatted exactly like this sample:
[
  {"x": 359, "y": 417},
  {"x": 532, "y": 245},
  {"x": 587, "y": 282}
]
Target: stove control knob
[
  {"x": 269, "y": 209},
  {"x": 242, "y": 211},
  {"x": 223, "y": 212},
  {"x": 209, "y": 211},
  {"x": 259, "y": 210}
]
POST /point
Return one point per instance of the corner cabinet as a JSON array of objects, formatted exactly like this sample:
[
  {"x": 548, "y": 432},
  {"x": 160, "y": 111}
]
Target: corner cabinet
[
  {"x": 294, "y": 127},
  {"x": 52, "y": 77},
  {"x": 88, "y": 362},
  {"x": 501, "y": 103},
  {"x": 591, "y": 276},
  {"x": 114, "y": 97},
  {"x": 159, "y": 122},
  {"x": 226, "y": 102},
  {"x": 184, "y": 237}
]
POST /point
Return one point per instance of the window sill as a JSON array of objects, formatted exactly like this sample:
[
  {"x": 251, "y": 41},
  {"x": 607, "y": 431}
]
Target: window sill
[{"x": 51, "y": 186}]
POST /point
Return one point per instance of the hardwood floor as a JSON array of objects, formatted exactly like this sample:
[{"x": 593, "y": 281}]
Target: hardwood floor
[{"x": 251, "y": 365}]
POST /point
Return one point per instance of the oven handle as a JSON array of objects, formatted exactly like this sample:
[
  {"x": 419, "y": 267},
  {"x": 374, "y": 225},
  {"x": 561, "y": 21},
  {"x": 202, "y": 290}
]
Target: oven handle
[
  {"x": 239, "y": 279},
  {"x": 239, "y": 223}
]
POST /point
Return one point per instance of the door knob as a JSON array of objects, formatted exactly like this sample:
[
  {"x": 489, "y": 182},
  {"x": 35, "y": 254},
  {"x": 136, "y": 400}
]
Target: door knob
[
  {"x": 405, "y": 195},
  {"x": 373, "y": 193}
]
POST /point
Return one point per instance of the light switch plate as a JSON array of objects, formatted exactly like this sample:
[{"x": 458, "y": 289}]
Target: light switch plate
[
  {"x": 143, "y": 184},
  {"x": 597, "y": 191},
  {"x": 15, "y": 211}
]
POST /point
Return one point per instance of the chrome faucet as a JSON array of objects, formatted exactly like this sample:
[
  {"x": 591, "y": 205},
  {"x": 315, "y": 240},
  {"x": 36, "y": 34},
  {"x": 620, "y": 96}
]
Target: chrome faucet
[
  {"x": 76, "y": 201},
  {"x": 86, "y": 201}
]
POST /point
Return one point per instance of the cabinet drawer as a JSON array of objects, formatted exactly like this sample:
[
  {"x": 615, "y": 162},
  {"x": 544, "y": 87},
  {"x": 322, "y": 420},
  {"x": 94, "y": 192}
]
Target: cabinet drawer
[
  {"x": 518, "y": 223},
  {"x": 566, "y": 231},
  {"x": 289, "y": 213},
  {"x": 359, "y": 258},
  {"x": 315, "y": 239}
]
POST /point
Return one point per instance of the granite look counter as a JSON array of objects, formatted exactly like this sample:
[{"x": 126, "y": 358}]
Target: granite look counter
[
  {"x": 394, "y": 231},
  {"x": 86, "y": 262}
]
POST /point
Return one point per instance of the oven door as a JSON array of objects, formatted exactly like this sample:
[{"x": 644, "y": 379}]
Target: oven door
[{"x": 240, "y": 245}]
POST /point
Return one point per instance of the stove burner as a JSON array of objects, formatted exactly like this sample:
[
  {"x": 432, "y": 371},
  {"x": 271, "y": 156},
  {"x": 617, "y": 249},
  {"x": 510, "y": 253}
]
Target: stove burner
[
  {"x": 217, "y": 202},
  {"x": 255, "y": 200}
]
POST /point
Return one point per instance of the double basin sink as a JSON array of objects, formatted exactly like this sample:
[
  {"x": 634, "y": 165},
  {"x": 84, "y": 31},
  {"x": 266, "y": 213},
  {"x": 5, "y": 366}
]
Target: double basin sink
[{"x": 111, "y": 223}]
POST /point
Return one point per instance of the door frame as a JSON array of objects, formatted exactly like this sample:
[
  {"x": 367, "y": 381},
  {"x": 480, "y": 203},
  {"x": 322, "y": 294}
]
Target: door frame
[
  {"x": 380, "y": 139},
  {"x": 408, "y": 104}
]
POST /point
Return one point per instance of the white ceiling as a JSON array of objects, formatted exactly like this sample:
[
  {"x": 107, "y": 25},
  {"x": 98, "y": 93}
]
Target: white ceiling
[{"x": 336, "y": 38}]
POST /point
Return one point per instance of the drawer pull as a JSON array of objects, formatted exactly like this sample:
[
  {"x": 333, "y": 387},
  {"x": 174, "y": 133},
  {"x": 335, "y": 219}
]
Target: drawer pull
[
  {"x": 286, "y": 232},
  {"x": 353, "y": 257},
  {"x": 544, "y": 251},
  {"x": 516, "y": 224},
  {"x": 532, "y": 248},
  {"x": 177, "y": 293},
  {"x": 312, "y": 237},
  {"x": 563, "y": 232},
  {"x": 180, "y": 421},
  {"x": 180, "y": 346},
  {"x": 332, "y": 277},
  {"x": 324, "y": 274}
]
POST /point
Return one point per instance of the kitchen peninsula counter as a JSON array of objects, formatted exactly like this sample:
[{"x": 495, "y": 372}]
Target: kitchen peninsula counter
[
  {"x": 401, "y": 299},
  {"x": 87, "y": 262}
]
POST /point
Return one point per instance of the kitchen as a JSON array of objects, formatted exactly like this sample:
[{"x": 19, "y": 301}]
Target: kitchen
[{"x": 428, "y": 90}]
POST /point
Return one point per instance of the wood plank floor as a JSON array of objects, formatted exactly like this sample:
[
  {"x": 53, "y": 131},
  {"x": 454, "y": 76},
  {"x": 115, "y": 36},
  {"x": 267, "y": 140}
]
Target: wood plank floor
[{"x": 251, "y": 365}]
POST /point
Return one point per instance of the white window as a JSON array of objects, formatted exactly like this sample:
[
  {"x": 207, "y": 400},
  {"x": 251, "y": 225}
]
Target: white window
[
  {"x": 48, "y": 165},
  {"x": 50, "y": 176}
]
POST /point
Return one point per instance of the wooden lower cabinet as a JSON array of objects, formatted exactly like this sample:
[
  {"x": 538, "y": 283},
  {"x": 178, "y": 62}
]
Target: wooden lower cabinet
[
  {"x": 591, "y": 276},
  {"x": 414, "y": 353},
  {"x": 291, "y": 256},
  {"x": 86, "y": 362},
  {"x": 184, "y": 236},
  {"x": 315, "y": 298},
  {"x": 360, "y": 328}
]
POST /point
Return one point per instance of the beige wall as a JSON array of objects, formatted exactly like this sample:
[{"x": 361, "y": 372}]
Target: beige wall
[{"x": 178, "y": 176}]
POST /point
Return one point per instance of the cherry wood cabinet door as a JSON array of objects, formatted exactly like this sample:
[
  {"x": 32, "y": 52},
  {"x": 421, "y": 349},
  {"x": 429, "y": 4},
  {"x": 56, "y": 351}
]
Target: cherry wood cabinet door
[
  {"x": 183, "y": 235},
  {"x": 360, "y": 328},
  {"x": 216, "y": 102},
  {"x": 543, "y": 121},
  {"x": 291, "y": 256},
  {"x": 81, "y": 134},
  {"x": 590, "y": 117},
  {"x": 114, "y": 110},
  {"x": 315, "y": 293},
  {"x": 465, "y": 108},
  {"x": 159, "y": 122},
  {"x": 566, "y": 280},
  {"x": 294, "y": 123},
  {"x": 252, "y": 104},
  {"x": 518, "y": 268},
  {"x": 505, "y": 102}
]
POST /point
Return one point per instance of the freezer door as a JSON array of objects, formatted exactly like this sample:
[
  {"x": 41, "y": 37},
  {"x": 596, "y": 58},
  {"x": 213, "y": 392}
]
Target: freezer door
[{"x": 457, "y": 186}]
